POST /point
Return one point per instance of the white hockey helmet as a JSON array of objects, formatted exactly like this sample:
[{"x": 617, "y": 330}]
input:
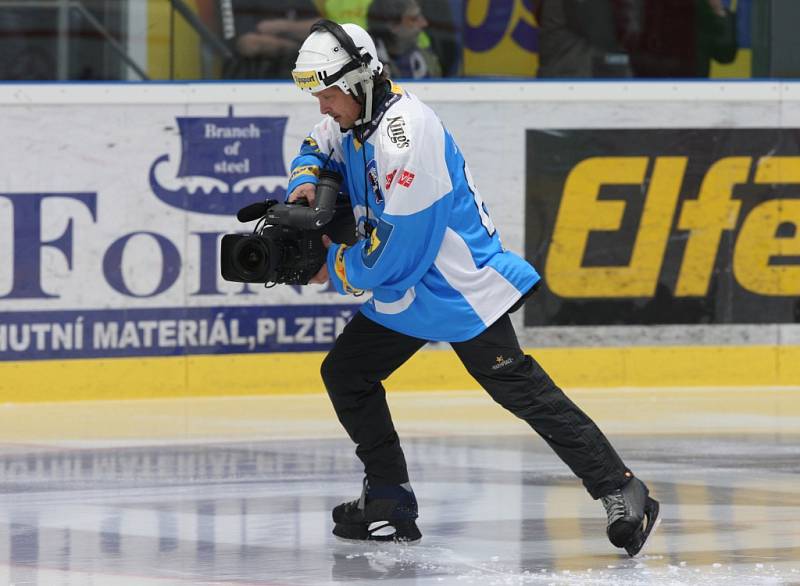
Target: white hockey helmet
[{"x": 339, "y": 55}]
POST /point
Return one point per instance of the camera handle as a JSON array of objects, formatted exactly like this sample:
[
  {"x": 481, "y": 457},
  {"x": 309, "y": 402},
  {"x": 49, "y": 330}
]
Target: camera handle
[{"x": 304, "y": 217}]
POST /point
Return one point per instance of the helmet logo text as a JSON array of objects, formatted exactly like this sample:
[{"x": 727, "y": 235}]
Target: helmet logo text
[{"x": 305, "y": 79}]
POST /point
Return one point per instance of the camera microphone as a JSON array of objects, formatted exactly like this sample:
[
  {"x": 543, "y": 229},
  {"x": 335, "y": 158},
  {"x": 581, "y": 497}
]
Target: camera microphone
[{"x": 252, "y": 212}]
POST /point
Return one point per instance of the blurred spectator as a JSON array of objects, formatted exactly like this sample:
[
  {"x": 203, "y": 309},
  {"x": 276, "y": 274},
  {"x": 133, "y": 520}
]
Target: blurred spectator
[
  {"x": 443, "y": 32},
  {"x": 395, "y": 25},
  {"x": 266, "y": 36},
  {"x": 679, "y": 38},
  {"x": 585, "y": 39}
]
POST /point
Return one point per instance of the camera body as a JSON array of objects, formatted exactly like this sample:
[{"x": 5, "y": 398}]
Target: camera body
[
  {"x": 280, "y": 254},
  {"x": 286, "y": 246}
]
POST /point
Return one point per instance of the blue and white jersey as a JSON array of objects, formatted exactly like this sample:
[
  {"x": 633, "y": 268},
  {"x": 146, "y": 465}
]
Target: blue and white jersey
[{"x": 433, "y": 261}]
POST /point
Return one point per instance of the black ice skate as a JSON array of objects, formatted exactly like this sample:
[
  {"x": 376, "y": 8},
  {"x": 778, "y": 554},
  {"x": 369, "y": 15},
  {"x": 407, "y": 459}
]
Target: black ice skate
[
  {"x": 383, "y": 513},
  {"x": 632, "y": 516}
]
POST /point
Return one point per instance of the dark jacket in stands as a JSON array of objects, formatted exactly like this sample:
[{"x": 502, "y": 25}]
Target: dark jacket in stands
[
  {"x": 580, "y": 38},
  {"x": 679, "y": 38}
]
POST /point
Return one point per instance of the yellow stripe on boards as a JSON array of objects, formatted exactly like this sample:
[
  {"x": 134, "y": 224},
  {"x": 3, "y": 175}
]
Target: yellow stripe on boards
[{"x": 258, "y": 374}]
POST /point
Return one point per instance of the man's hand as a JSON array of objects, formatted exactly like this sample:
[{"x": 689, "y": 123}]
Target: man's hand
[
  {"x": 272, "y": 26},
  {"x": 260, "y": 45},
  {"x": 305, "y": 191},
  {"x": 290, "y": 28},
  {"x": 322, "y": 275}
]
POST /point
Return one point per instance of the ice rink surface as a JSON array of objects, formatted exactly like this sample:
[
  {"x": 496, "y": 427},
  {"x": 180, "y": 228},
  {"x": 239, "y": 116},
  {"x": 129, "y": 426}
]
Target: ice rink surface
[{"x": 239, "y": 491}]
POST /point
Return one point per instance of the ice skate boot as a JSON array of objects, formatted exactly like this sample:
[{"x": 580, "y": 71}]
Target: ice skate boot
[
  {"x": 383, "y": 513},
  {"x": 632, "y": 516}
]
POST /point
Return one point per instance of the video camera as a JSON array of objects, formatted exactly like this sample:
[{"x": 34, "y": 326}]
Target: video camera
[{"x": 286, "y": 244}]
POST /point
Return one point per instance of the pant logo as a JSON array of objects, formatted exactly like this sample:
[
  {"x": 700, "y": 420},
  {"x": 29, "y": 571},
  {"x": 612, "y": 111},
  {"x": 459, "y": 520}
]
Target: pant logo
[{"x": 500, "y": 362}]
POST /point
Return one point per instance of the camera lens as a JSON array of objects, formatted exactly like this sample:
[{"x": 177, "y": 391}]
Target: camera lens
[{"x": 251, "y": 258}]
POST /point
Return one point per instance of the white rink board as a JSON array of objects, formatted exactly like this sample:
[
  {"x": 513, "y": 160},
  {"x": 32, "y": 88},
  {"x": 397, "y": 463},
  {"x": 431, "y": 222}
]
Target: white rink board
[{"x": 87, "y": 150}]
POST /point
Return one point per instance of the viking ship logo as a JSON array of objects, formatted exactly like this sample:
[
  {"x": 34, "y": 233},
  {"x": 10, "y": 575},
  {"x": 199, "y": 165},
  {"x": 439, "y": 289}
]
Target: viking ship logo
[{"x": 229, "y": 161}]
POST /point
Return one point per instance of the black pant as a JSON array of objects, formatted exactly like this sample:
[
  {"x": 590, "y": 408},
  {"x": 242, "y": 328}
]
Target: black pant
[{"x": 366, "y": 353}]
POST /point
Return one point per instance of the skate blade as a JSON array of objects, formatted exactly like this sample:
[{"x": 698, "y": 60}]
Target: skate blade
[
  {"x": 377, "y": 540},
  {"x": 403, "y": 532},
  {"x": 653, "y": 519}
]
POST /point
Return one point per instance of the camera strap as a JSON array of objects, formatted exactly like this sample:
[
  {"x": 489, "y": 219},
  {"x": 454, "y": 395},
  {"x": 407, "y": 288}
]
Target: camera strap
[{"x": 367, "y": 226}]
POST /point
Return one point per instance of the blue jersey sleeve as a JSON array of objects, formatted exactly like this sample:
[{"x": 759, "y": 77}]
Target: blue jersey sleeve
[{"x": 320, "y": 148}]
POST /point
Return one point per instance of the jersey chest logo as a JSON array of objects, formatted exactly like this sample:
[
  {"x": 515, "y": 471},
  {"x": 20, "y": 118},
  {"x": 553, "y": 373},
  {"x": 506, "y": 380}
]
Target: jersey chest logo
[{"x": 374, "y": 180}]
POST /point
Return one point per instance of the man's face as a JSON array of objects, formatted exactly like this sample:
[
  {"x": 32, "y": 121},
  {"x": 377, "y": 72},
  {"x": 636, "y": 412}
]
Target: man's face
[
  {"x": 411, "y": 24},
  {"x": 339, "y": 105}
]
